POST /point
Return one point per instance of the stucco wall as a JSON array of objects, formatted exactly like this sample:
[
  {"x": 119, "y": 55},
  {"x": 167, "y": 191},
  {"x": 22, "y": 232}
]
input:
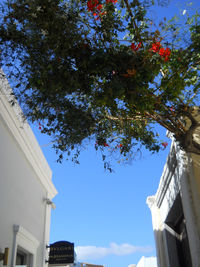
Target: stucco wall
[
  {"x": 22, "y": 197},
  {"x": 25, "y": 184},
  {"x": 147, "y": 262},
  {"x": 178, "y": 192}
]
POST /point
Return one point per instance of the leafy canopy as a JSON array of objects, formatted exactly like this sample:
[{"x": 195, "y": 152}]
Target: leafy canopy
[{"x": 102, "y": 70}]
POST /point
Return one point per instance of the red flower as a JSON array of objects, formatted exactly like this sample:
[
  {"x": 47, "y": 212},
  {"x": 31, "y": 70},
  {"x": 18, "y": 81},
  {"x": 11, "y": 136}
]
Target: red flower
[
  {"x": 105, "y": 144},
  {"x": 166, "y": 58},
  {"x": 155, "y": 47},
  {"x": 135, "y": 47},
  {"x": 120, "y": 145},
  {"x": 111, "y": 1},
  {"x": 95, "y": 8},
  {"x": 91, "y": 4},
  {"x": 162, "y": 52},
  {"x": 164, "y": 144},
  {"x": 165, "y": 53},
  {"x": 40, "y": 126},
  {"x": 103, "y": 13},
  {"x": 99, "y": 7}
]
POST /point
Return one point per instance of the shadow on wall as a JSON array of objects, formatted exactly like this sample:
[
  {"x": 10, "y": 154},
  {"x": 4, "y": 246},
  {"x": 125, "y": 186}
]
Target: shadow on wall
[{"x": 172, "y": 242}]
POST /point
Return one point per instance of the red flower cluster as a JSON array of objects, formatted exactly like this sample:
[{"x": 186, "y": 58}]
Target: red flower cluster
[
  {"x": 164, "y": 53},
  {"x": 96, "y": 8},
  {"x": 164, "y": 144},
  {"x": 92, "y": 4},
  {"x": 111, "y": 1},
  {"x": 135, "y": 47},
  {"x": 105, "y": 144},
  {"x": 155, "y": 47}
]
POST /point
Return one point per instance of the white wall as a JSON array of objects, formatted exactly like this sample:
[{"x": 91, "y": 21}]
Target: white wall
[
  {"x": 21, "y": 194},
  {"x": 25, "y": 183},
  {"x": 147, "y": 262},
  {"x": 178, "y": 178}
]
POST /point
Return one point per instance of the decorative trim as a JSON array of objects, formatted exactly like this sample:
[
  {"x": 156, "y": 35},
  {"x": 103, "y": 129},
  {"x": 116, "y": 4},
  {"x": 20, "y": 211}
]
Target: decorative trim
[
  {"x": 184, "y": 161},
  {"x": 24, "y": 137},
  {"x": 25, "y": 239},
  {"x": 169, "y": 170},
  {"x": 150, "y": 201}
]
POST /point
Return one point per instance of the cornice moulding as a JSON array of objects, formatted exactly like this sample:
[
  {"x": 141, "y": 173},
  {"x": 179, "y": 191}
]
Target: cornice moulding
[
  {"x": 22, "y": 133},
  {"x": 168, "y": 171}
]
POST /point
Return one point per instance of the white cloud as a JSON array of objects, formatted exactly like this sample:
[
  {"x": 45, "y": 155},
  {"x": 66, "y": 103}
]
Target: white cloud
[{"x": 93, "y": 252}]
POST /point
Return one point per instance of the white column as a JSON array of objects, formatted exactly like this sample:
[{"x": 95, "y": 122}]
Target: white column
[
  {"x": 158, "y": 229},
  {"x": 186, "y": 173}
]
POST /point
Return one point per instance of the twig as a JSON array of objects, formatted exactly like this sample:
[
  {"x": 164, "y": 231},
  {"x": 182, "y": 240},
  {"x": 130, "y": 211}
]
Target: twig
[{"x": 134, "y": 23}]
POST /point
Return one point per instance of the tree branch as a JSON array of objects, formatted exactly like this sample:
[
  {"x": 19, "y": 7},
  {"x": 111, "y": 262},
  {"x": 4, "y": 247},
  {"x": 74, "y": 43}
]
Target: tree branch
[
  {"x": 137, "y": 118},
  {"x": 134, "y": 23}
]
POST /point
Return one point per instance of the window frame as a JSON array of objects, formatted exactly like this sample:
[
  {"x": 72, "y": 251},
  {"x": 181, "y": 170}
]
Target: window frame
[{"x": 25, "y": 242}]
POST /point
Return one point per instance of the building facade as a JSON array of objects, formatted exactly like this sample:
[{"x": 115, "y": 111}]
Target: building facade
[
  {"x": 145, "y": 262},
  {"x": 175, "y": 210},
  {"x": 26, "y": 189},
  {"x": 77, "y": 264}
]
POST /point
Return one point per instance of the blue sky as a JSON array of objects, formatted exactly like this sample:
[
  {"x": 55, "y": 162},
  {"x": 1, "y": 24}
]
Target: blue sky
[{"x": 105, "y": 214}]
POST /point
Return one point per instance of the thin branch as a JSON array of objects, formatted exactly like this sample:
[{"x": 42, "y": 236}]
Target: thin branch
[
  {"x": 191, "y": 99},
  {"x": 133, "y": 20},
  {"x": 136, "y": 118},
  {"x": 160, "y": 121},
  {"x": 163, "y": 74}
]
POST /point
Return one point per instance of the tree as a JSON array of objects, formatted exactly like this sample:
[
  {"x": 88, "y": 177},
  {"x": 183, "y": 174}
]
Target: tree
[{"x": 102, "y": 70}]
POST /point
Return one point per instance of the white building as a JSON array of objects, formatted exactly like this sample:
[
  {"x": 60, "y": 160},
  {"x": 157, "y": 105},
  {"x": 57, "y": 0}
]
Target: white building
[
  {"x": 81, "y": 264},
  {"x": 26, "y": 189},
  {"x": 146, "y": 262},
  {"x": 175, "y": 211}
]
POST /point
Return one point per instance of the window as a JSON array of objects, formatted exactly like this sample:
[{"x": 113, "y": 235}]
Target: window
[
  {"x": 176, "y": 235},
  {"x": 24, "y": 248},
  {"x": 23, "y": 258},
  {"x": 20, "y": 259}
]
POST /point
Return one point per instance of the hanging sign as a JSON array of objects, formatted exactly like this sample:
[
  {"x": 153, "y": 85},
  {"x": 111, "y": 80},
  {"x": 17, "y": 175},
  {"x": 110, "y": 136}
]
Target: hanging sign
[{"x": 61, "y": 252}]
